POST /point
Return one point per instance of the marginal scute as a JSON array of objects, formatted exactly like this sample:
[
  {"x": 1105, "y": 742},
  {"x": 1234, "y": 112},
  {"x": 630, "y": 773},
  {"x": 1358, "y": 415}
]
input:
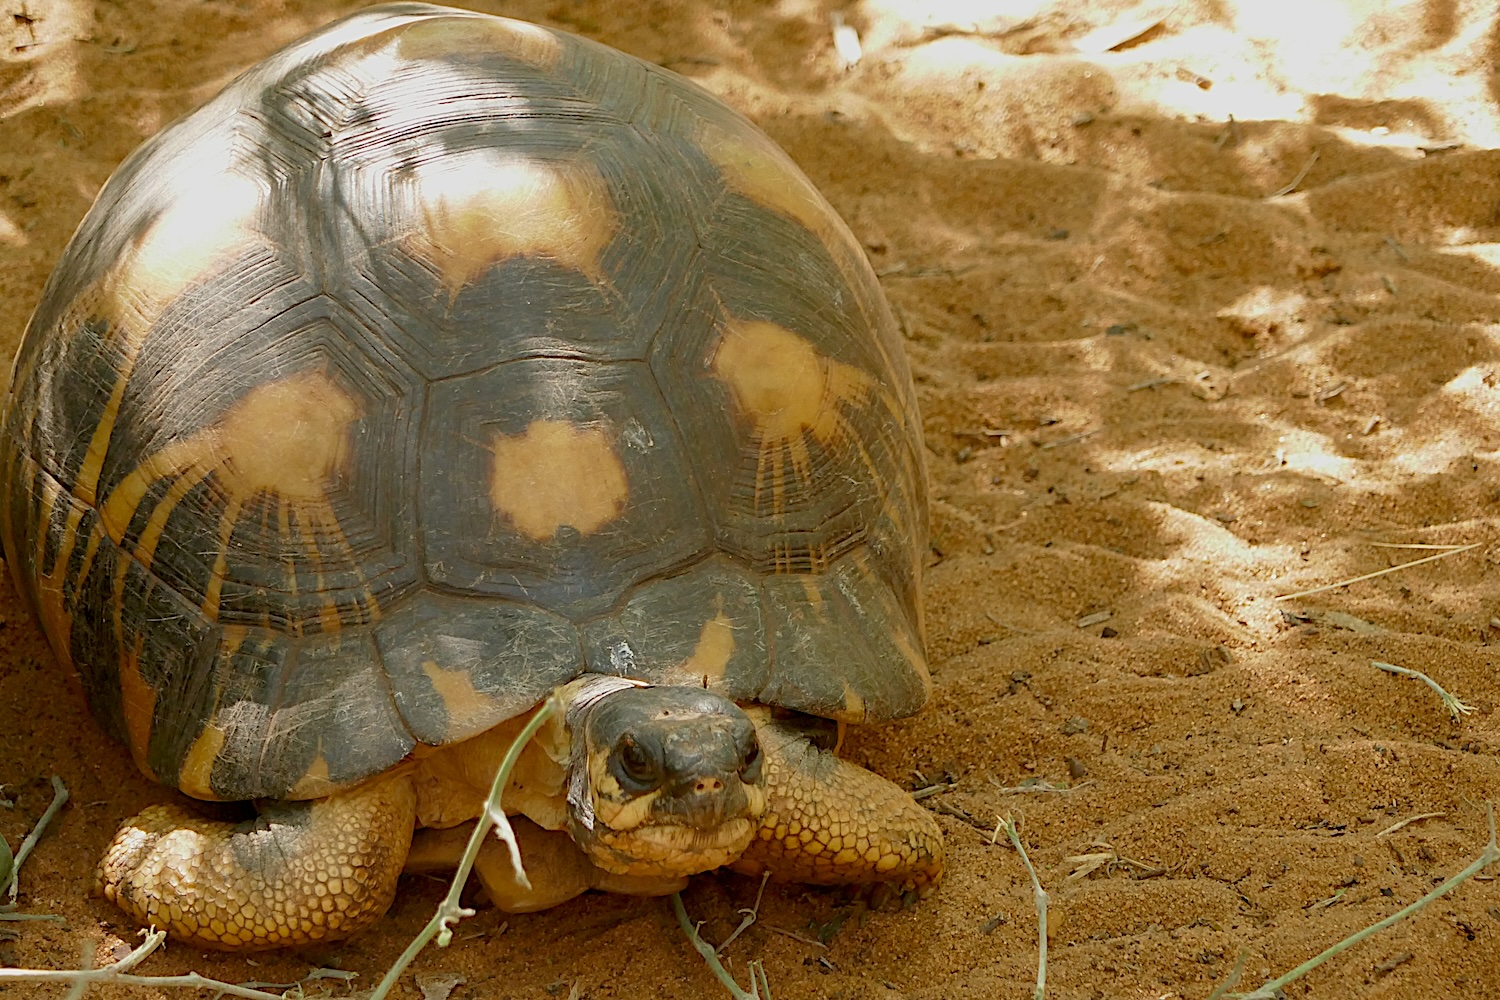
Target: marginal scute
[
  {"x": 701, "y": 628},
  {"x": 509, "y": 654},
  {"x": 316, "y": 782},
  {"x": 842, "y": 646},
  {"x": 277, "y": 704},
  {"x": 469, "y": 710},
  {"x": 712, "y": 652},
  {"x": 195, "y": 777}
]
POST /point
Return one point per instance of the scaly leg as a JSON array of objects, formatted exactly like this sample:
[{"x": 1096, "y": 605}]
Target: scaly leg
[
  {"x": 831, "y": 822},
  {"x": 299, "y": 872}
]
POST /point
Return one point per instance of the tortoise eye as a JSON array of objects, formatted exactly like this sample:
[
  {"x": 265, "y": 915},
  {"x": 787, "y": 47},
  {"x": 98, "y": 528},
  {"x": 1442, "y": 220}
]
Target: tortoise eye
[
  {"x": 636, "y": 767},
  {"x": 750, "y": 769}
]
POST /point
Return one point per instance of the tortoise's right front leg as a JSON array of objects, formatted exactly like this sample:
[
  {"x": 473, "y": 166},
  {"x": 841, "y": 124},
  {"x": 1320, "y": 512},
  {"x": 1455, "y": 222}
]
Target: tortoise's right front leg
[
  {"x": 830, "y": 822},
  {"x": 299, "y": 872}
]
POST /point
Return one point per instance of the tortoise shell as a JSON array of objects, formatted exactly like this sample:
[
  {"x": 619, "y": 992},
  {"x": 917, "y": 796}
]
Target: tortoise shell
[{"x": 438, "y": 360}]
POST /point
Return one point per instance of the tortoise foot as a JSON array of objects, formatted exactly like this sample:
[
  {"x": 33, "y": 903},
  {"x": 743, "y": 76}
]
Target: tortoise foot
[{"x": 299, "y": 872}]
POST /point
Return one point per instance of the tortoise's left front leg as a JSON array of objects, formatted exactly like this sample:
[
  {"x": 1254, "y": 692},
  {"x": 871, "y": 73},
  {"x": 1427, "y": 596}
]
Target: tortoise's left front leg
[{"x": 831, "y": 822}]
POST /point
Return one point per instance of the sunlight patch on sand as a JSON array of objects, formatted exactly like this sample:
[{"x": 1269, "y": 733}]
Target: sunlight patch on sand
[
  {"x": 10, "y": 233},
  {"x": 1313, "y": 454},
  {"x": 1204, "y": 539},
  {"x": 1282, "y": 305},
  {"x": 47, "y": 44}
]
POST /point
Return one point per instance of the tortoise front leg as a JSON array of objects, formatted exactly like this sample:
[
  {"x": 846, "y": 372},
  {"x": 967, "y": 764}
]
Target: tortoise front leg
[
  {"x": 299, "y": 872},
  {"x": 830, "y": 822}
]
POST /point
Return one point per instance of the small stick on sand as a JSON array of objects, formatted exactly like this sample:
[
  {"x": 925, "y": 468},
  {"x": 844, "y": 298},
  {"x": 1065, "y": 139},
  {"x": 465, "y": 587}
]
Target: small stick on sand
[
  {"x": 118, "y": 972},
  {"x": 1380, "y": 572},
  {"x": 795, "y": 936},
  {"x": 1231, "y": 131},
  {"x": 1408, "y": 821},
  {"x": 10, "y": 870},
  {"x": 1070, "y": 439},
  {"x": 1006, "y": 624},
  {"x": 1432, "y": 546},
  {"x": 1301, "y": 176},
  {"x": 1455, "y": 707}
]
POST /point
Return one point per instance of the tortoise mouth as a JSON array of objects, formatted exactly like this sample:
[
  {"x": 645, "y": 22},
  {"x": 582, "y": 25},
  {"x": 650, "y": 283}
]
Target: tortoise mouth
[{"x": 667, "y": 849}]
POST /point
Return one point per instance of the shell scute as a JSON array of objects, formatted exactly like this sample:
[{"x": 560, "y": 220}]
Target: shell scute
[{"x": 458, "y": 665}]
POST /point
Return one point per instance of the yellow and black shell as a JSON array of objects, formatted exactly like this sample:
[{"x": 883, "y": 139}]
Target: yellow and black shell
[{"x": 438, "y": 360}]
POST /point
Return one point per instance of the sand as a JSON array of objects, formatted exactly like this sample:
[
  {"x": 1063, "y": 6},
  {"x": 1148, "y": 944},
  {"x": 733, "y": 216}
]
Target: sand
[{"x": 1201, "y": 302}]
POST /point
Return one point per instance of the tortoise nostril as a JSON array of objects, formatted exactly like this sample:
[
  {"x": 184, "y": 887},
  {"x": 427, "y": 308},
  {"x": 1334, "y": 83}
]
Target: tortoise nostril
[{"x": 706, "y": 785}]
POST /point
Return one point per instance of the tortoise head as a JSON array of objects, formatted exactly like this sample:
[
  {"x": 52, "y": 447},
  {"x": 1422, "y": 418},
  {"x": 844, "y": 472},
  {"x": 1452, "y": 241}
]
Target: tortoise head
[{"x": 664, "y": 781}]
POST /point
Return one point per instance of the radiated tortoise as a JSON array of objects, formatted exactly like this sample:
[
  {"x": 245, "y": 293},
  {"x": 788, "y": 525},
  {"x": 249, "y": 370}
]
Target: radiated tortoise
[{"x": 440, "y": 363}]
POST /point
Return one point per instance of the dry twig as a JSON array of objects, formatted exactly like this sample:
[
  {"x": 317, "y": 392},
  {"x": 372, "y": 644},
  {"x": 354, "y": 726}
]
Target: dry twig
[
  {"x": 1301, "y": 176},
  {"x": 1455, "y": 707},
  {"x": 1408, "y": 821},
  {"x": 1455, "y": 550}
]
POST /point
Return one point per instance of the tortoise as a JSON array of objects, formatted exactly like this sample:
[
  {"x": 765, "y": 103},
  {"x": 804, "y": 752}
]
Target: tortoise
[{"x": 439, "y": 364}]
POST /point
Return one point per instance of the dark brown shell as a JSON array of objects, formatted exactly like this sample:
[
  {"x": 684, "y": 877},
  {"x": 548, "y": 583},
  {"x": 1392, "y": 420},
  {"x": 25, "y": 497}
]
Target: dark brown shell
[{"x": 438, "y": 360}]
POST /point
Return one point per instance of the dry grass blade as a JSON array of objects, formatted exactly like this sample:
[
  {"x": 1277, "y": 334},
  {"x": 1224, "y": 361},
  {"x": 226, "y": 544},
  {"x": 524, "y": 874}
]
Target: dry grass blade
[
  {"x": 1455, "y": 707},
  {"x": 1084, "y": 865},
  {"x": 1380, "y": 572},
  {"x": 1037, "y": 786},
  {"x": 1295, "y": 181},
  {"x": 1408, "y": 821}
]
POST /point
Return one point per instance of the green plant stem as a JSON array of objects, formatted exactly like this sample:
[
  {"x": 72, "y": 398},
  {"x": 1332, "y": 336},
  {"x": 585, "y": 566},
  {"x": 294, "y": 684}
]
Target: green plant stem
[
  {"x": 711, "y": 956},
  {"x": 59, "y": 798},
  {"x": 1040, "y": 898},
  {"x": 1487, "y": 857},
  {"x": 493, "y": 816}
]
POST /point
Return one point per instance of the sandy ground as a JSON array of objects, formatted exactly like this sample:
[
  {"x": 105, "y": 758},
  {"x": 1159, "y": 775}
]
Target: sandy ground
[{"x": 1201, "y": 301}]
